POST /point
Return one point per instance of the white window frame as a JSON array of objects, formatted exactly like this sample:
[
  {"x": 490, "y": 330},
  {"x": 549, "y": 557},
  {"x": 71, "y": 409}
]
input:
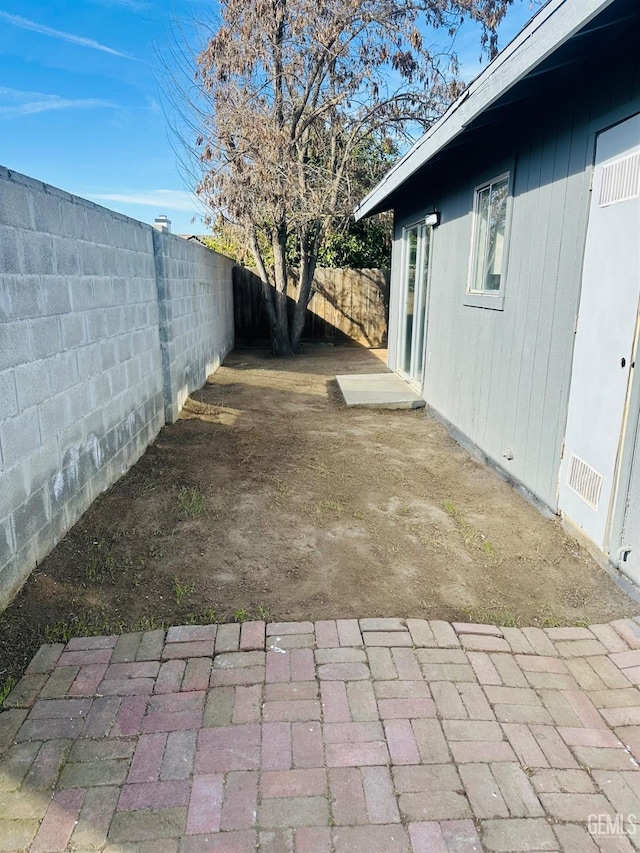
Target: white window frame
[{"x": 487, "y": 298}]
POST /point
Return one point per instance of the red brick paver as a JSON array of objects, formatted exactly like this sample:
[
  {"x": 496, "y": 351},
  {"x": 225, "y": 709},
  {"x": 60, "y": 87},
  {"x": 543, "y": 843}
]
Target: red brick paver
[{"x": 337, "y": 736}]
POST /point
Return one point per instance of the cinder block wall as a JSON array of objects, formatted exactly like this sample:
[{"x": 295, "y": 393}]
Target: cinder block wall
[
  {"x": 196, "y": 315},
  {"x": 82, "y": 391}
]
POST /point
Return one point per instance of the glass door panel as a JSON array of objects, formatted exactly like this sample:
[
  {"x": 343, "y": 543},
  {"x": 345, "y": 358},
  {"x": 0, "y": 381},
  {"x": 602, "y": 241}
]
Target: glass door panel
[
  {"x": 411, "y": 250},
  {"x": 417, "y": 252},
  {"x": 421, "y": 304}
]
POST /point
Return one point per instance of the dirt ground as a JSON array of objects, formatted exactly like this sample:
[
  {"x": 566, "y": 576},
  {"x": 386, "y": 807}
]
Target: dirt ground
[{"x": 269, "y": 498}]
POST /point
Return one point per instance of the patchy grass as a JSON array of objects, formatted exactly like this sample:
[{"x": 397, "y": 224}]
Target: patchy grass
[
  {"x": 102, "y": 567},
  {"x": 504, "y": 618},
  {"x": 493, "y": 615},
  {"x": 156, "y": 549},
  {"x": 450, "y": 508},
  {"x": 550, "y": 620},
  {"x": 208, "y": 616},
  {"x": 487, "y": 547},
  {"x": 78, "y": 626},
  {"x": 192, "y": 502},
  {"x": 335, "y": 506},
  {"x": 240, "y": 615},
  {"x": 473, "y": 538},
  {"x": 6, "y": 688},
  {"x": 332, "y": 506},
  {"x": 298, "y": 509},
  {"x": 283, "y": 490},
  {"x": 182, "y": 589}
]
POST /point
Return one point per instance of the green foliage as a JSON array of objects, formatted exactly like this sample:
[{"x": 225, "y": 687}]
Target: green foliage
[
  {"x": 359, "y": 245},
  {"x": 354, "y": 245},
  {"x": 226, "y": 239}
]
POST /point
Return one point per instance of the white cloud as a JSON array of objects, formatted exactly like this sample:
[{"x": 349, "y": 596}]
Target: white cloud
[
  {"x": 134, "y": 5},
  {"x": 16, "y": 94},
  {"x": 15, "y": 103},
  {"x": 169, "y": 199},
  {"x": 42, "y": 29}
]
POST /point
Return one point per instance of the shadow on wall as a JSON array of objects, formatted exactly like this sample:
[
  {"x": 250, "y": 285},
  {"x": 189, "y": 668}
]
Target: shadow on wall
[{"x": 347, "y": 305}]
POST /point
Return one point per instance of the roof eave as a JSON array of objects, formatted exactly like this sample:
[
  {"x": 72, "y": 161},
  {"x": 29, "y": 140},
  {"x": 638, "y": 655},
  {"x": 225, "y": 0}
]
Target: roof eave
[{"x": 550, "y": 28}]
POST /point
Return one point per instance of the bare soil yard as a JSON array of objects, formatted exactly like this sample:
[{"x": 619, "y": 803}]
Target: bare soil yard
[{"x": 270, "y": 498}]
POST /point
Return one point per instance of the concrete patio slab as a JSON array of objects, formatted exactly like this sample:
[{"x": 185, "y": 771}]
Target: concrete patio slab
[
  {"x": 339, "y": 736},
  {"x": 379, "y": 391}
]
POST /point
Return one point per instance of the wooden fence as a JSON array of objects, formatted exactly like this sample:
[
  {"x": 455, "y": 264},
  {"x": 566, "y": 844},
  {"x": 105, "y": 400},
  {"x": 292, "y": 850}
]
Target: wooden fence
[{"x": 346, "y": 305}]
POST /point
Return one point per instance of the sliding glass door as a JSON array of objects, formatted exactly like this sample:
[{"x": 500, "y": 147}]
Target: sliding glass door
[{"x": 415, "y": 279}]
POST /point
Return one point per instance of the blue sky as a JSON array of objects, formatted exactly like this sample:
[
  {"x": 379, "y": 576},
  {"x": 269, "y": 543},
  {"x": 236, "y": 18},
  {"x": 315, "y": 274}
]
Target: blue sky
[{"x": 80, "y": 103}]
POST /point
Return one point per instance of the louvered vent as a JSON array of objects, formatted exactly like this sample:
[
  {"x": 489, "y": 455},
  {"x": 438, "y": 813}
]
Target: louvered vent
[
  {"x": 620, "y": 180},
  {"x": 584, "y": 480}
]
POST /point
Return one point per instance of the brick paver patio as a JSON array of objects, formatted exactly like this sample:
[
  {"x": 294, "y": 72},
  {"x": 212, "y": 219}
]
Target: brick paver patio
[{"x": 377, "y": 736}]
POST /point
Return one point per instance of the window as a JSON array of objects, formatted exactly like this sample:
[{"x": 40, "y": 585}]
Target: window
[{"x": 488, "y": 246}]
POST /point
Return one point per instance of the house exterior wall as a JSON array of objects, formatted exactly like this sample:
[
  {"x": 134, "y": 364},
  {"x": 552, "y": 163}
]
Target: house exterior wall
[
  {"x": 501, "y": 378},
  {"x": 81, "y": 371}
]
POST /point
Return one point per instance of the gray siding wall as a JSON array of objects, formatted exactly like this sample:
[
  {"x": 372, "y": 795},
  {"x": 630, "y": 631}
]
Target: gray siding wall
[
  {"x": 501, "y": 378},
  {"x": 196, "y": 315},
  {"x": 81, "y": 370}
]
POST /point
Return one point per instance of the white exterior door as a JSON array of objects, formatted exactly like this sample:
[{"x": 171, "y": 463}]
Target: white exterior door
[
  {"x": 605, "y": 343},
  {"x": 415, "y": 279}
]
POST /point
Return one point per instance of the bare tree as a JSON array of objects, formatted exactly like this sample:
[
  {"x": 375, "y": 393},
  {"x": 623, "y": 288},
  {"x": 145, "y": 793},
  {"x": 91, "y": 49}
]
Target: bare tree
[{"x": 292, "y": 94}]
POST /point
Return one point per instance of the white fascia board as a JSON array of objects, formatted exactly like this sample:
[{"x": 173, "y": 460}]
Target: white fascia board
[{"x": 551, "y": 27}]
